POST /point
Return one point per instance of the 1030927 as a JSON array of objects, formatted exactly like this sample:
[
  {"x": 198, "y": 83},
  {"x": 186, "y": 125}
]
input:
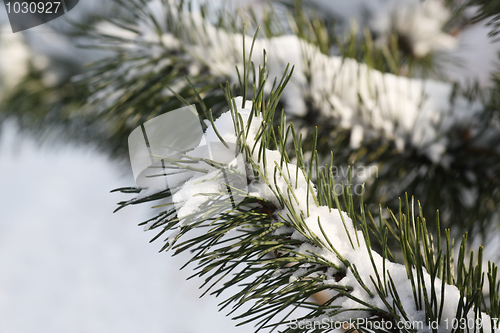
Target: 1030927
[{"x": 50, "y": 7}]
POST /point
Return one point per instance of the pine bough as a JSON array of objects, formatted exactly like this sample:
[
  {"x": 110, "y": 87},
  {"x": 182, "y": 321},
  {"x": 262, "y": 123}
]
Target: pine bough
[{"x": 288, "y": 238}]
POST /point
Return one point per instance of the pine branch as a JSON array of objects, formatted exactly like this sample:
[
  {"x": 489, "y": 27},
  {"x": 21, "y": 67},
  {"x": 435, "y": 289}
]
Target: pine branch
[
  {"x": 315, "y": 245},
  {"x": 442, "y": 163}
]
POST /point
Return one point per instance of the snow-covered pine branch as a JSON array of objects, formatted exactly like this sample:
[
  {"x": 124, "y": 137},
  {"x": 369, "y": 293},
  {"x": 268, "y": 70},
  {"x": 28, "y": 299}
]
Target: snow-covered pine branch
[
  {"x": 411, "y": 112},
  {"x": 285, "y": 238},
  {"x": 424, "y": 136},
  {"x": 316, "y": 246}
]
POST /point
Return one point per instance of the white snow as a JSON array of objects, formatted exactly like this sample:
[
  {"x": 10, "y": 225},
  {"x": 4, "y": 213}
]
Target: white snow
[
  {"x": 420, "y": 23},
  {"x": 409, "y": 111},
  {"x": 466, "y": 57},
  {"x": 68, "y": 264},
  {"x": 14, "y": 60}
]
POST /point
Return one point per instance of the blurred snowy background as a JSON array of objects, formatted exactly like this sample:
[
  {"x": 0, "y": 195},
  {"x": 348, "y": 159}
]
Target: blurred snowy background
[{"x": 67, "y": 263}]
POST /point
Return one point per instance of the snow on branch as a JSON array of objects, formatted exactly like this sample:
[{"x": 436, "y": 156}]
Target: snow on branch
[
  {"x": 316, "y": 246},
  {"x": 411, "y": 112}
]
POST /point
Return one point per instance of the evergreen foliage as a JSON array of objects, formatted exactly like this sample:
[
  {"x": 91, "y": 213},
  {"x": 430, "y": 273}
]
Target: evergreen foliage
[
  {"x": 252, "y": 245},
  {"x": 409, "y": 213},
  {"x": 157, "y": 71}
]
